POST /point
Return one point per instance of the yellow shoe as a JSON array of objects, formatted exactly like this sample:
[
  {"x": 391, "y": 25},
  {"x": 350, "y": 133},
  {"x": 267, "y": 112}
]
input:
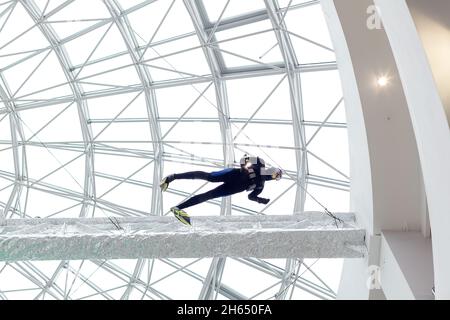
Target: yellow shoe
[
  {"x": 164, "y": 185},
  {"x": 181, "y": 215}
]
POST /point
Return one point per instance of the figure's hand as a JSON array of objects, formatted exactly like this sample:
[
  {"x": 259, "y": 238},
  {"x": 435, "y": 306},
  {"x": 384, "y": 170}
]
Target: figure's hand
[{"x": 263, "y": 201}]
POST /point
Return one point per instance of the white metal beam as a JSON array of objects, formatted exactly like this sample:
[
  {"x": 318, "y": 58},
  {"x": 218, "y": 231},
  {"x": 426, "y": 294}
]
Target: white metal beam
[
  {"x": 290, "y": 60},
  {"x": 83, "y": 112},
  {"x": 212, "y": 281},
  {"x": 307, "y": 235},
  {"x": 131, "y": 43}
]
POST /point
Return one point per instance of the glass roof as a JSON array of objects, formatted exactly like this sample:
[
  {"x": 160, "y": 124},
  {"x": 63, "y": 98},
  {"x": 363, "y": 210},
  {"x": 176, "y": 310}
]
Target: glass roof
[{"x": 93, "y": 94}]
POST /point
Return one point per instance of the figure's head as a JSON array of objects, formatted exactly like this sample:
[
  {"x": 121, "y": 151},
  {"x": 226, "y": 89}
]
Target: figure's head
[
  {"x": 277, "y": 174},
  {"x": 274, "y": 173}
]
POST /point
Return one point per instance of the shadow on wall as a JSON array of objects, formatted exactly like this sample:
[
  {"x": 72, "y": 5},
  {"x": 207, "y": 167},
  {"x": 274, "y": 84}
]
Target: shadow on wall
[{"x": 433, "y": 25}]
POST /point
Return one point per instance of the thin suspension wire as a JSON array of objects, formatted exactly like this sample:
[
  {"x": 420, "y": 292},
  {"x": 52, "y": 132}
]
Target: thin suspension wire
[
  {"x": 113, "y": 220},
  {"x": 326, "y": 211},
  {"x": 295, "y": 280}
]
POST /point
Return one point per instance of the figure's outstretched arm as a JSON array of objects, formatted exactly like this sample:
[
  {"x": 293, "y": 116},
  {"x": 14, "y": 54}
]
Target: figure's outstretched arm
[{"x": 253, "y": 196}]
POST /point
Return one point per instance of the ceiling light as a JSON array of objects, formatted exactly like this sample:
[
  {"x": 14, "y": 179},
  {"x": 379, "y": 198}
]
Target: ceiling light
[{"x": 383, "y": 81}]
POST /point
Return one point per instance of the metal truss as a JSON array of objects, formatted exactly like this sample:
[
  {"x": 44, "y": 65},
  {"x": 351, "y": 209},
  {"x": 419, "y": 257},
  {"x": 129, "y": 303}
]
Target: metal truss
[
  {"x": 83, "y": 113},
  {"x": 89, "y": 200}
]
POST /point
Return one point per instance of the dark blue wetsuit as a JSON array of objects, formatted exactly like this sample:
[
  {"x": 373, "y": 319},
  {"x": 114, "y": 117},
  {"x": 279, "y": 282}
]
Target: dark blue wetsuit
[{"x": 234, "y": 181}]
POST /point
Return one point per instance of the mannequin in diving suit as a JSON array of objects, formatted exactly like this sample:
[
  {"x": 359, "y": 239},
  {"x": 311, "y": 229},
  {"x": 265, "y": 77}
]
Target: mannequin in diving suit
[{"x": 251, "y": 176}]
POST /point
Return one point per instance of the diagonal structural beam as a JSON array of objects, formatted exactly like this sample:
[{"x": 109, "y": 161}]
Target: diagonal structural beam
[
  {"x": 199, "y": 19},
  {"x": 307, "y": 235},
  {"x": 124, "y": 27},
  {"x": 19, "y": 154},
  {"x": 78, "y": 93},
  {"x": 290, "y": 60},
  {"x": 123, "y": 24}
]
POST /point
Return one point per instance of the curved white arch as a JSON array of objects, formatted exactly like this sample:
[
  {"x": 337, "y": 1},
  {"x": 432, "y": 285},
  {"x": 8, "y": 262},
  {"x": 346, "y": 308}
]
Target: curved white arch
[
  {"x": 387, "y": 184},
  {"x": 429, "y": 118}
]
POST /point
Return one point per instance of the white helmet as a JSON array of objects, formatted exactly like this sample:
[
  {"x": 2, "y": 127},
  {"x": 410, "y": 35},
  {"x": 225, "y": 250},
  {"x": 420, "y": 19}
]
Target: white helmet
[{"x": 276, "y": 173}]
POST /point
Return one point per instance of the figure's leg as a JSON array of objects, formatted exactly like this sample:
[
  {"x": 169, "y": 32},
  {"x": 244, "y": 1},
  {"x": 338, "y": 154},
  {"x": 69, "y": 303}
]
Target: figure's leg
[
  {"x": 221, "y": 191},
  {"x": 225, "y": 175},
  {"x": 181, "y": 215},
  {"x": 201, "y": 175},
  {"x": 187, "y": 175}
]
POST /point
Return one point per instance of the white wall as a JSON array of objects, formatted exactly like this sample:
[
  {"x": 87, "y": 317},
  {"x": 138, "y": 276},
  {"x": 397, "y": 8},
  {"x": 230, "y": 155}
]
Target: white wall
[
  {"x": 431, "y": 128},
  {"x": 406, "y": 265},
  {"x": 386, "y": 189},
  {"x": 432, "y": 20},
  {"x": 360, "y": 167},
  {"x": 397, "y": 193}
]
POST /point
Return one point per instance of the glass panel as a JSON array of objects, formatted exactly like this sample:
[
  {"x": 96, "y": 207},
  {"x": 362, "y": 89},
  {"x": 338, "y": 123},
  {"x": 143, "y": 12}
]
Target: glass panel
[
  {"x": 321, "y": 92},
  {"x": 40, "y": 77},
  {"x": 268, "y": 94},
  {"x": 159, "y": 21},
  {"x": 336, "y": 154},
  {"x": 120, "y": 106},
  {"x": 291, "y": 3},
  {"x": 336, "y": 200},
  {"x": 19, "y": 37},
  {"x": 127, "y": 4},
  {"x": 74, "y": 17},
  {"x": 246, "y": 279},
  {"x": 47, "y": 205},
  {"x": 174, "y": 102},
  {"x": 235, "y": 8},
  {"x": 59, "y": 123},
  {"x": 309, "y": 34},
  {"x": 118, "y": 109},
  {"x": 175, "y": 67},
  {"x": 249, "y": 45}
]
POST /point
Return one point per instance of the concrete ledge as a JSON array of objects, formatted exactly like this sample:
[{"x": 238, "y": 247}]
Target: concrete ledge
[{"x": 308, "y": 235}]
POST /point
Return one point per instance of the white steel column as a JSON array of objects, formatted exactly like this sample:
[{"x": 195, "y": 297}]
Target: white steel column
[
  {"x": 83, "y": 113},
  {"x": 19, "y": 152},
  {"x": 198, "y": 17},
  {"x": 123, "y": 24},
  {"x": 291, "y": 63}
]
